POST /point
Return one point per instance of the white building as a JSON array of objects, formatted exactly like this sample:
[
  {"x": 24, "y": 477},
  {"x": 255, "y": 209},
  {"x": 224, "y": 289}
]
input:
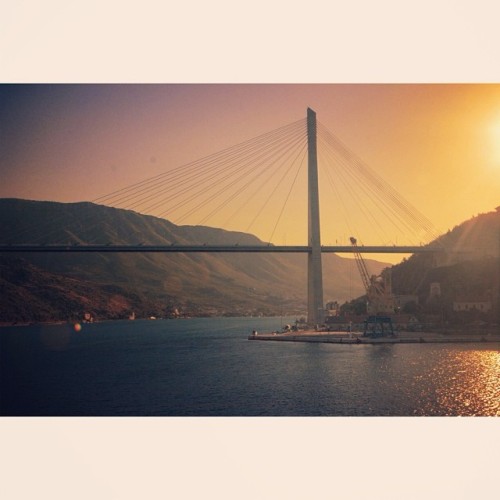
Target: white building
[{"x": 472, "y": 305}]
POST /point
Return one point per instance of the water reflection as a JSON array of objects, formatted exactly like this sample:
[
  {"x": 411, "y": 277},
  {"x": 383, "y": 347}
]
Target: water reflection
[
  {"x": 207, "y": 367},
  {"x": 470, "y": 385},
  {"x": 418, "y": 380}
]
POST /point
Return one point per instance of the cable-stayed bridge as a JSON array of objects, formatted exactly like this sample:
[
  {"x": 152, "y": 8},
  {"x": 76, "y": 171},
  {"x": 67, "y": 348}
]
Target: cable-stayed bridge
[
  {"x": 242, "y": 182},
  {"x": 75, "y": 248}
]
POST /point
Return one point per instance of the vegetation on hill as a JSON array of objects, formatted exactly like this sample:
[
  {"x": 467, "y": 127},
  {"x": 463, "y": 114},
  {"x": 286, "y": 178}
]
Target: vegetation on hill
[
  {"x": 43, "y": 287},
  {"x": 51, "y": 287},
  {"x": 467, "y": 271}
]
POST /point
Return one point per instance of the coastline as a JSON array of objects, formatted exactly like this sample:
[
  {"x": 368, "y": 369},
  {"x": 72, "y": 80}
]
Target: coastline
[{"x": 357, "y": 338}]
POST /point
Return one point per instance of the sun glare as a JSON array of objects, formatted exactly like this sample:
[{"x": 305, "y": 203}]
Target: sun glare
[{"x": 495, "y": 141}]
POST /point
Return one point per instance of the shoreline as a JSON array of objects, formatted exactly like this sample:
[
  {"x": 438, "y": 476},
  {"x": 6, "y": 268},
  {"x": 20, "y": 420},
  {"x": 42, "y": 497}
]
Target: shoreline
[
  {"x": 8, "y": 324},
  {"x": 357, "y": 338}
]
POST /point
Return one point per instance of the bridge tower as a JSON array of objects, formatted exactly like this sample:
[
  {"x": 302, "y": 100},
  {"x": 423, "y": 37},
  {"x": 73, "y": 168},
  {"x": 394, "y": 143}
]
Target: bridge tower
[{"x": 315, "y": 312}]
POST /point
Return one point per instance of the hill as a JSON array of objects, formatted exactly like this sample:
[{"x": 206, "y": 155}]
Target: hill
[
  {"x": 468, "y": 270},
  {"x": 40, "y": 287}
]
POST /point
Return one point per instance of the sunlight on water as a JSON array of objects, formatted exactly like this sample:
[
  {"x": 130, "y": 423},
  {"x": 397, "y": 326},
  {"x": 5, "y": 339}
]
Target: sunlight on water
[
  {"x": 207, "y": 367},
  {"x": 473, "y": 387}
]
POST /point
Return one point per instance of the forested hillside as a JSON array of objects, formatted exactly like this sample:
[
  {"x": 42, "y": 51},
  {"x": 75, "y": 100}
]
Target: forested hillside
[{"x": 42, "y": 287}]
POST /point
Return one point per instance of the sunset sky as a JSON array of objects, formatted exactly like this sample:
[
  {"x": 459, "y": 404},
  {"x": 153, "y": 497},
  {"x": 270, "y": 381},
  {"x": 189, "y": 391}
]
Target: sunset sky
[{"x": 437, "y": 145}]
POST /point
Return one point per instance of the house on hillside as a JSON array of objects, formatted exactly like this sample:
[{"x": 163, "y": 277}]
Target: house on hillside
[
  {"x": 332, "y": 308},
  {"x": 483, "y": 305}
]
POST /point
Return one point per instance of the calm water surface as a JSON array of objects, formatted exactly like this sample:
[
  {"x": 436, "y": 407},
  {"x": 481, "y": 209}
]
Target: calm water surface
[{"x": 203, "y": 367}]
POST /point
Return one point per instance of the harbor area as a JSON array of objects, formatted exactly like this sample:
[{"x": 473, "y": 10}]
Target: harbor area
[{"x": 358, "y": 337}]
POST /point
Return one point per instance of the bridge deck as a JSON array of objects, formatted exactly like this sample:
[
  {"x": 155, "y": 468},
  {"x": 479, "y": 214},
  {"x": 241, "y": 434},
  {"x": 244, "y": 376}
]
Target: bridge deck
[{"x": 214, "y": 248}]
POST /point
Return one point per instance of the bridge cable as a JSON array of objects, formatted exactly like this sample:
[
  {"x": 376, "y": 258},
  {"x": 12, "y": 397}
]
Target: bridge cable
[
  {"x": 273, "y": 192},
  {"x": 245, "y": 173},
  {"x": 200, "y": 177},
  {"x": 378, "y": 186},
  {"x": 233, "y": 151},
  {"x": 202, "y": 161},
  {"x": 241, "y": 190},
  {"x": 381, "y": 185},
  {"x": 348, "y": 186},
  {"x": 287, "y": 197}
]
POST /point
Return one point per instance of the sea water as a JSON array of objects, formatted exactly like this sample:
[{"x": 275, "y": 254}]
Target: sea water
[{"x": 208, "y": 367}]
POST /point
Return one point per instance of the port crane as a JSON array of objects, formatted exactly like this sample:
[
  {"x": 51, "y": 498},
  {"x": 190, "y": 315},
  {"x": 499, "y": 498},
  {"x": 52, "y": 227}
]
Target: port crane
[
  {"x": 378, "y": 288},
  {"x": 380, "y": 301}
]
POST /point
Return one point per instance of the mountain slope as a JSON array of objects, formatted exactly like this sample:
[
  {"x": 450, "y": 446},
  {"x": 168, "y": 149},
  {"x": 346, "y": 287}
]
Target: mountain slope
[
  {"x": 197, "y": 283},
  {"x": 469, "y": 269}
]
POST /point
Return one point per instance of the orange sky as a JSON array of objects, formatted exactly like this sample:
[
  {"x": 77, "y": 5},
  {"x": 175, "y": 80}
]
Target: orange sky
[
  {"x": 437, "y": 145},
  {"x": 412, "y": 142}
]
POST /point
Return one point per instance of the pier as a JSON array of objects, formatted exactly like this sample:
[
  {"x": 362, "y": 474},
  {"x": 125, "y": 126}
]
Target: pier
[{"x": 357, "y": 338}]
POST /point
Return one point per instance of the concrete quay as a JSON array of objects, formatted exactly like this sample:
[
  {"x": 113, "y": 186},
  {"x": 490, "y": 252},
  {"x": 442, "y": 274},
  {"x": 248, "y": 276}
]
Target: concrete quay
[{"x": 357, "y": 338}]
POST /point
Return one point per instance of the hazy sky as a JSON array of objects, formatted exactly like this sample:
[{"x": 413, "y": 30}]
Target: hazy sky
[
  {"x": 437, "y": 145},
  {"x": 52, "y": 147}
]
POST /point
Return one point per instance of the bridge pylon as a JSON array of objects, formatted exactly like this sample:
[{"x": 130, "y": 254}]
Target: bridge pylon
[{"x": 315, "y": 306}]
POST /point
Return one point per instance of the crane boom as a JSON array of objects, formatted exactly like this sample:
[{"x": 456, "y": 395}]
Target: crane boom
[
  {"x": 378, "y": 288},
  {"x": 363, "y": 271}
]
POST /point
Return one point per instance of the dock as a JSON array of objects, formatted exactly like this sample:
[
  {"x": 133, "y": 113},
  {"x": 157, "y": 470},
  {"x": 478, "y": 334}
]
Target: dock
[{"x": 357, "y": 338}]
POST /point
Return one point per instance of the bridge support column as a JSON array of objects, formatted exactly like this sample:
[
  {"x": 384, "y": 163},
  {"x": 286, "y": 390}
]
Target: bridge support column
[{"x": 315, "y": 311}]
